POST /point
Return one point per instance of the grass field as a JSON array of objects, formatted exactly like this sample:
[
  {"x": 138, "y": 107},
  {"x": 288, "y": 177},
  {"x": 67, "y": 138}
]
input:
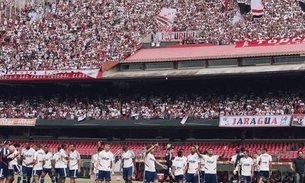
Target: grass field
[{"x": 47, "y": 180}]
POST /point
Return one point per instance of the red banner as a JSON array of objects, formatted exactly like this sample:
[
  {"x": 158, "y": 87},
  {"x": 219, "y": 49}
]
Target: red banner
[
  {"x": 298, "y": 120},
  {"x": 51, "y": 75},
  {"x": 271, "y": 42}
]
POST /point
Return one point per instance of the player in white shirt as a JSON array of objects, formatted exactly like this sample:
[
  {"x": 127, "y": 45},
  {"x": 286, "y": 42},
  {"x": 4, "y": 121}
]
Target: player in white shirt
[
  {"x": 202, "y": 166},
  {"x": 211, "y": 164},
  {"x": 39, "y": 157},
  {"x": 105, "y": 164},
  {"x": 55, "y": 164},
  {"x": 13, "y": 165},
  {"x": 62, "y": 163},
  {"x": 47, "y": 165},
  {"x": 246, "y": 168},
  {"x": 256, "y": 166},
  {"x": 192, "y": 166},
  {"x": 74, "y": 163},
  {"x": 27, "y": 156},
  {"x": 150, "y": 174},
  {"x": 265, "y": 166},
  {"x": 127, "y": 163},
  {"x": 93, "y": 168},
  {"x": 179, "y": 167}
]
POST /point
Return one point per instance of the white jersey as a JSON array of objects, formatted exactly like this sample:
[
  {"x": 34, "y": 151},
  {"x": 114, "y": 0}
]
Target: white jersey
[
  {"x": 56, "y": 158},
  {"x": 62, "y": 163},
  {"x": 149, "y": 162},
  {"x": 246, "y": 165},
  {"x": 14, "y": 161},
  {"x": 211, "y": 164},
  {"x": 128, "y": 157},
  {"x": 179, "y": 163},
  {"x": 94, "y": 159},
  {"x": 255, "y": 163},
  {"x": 202, "y": 164},
  {"x": 264, "y": 160},
  {"x": 28, "y": 155},
  {"x": 73, "y": 161},
  {"x": 48, "y": 160},
  {"x": 233, "y": 159},
  {"x": 193, "y": 161},
  {"x": 39, "y": 156},
  {"x": 105, "y": 160}
]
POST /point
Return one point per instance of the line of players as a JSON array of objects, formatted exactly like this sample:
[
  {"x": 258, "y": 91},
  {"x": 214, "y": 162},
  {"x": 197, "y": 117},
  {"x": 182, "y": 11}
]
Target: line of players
[
  {"x": 37, "y": 162},
  {"x": 195, "y": 168}
]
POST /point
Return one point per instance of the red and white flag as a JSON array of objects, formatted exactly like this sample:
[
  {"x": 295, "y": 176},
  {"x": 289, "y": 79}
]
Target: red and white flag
[
  {"x": 257, "y": 8},
  {"x": 166, "y": 18},
  {"x": 225, "y": 4}
]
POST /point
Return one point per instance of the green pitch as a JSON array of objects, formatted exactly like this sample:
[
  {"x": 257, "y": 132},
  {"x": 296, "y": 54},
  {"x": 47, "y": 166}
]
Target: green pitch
[{"x": 47, "y": 180}]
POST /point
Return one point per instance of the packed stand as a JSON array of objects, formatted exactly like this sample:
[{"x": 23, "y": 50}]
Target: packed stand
[
  {"x": 81, "y": 34},
  {"x": 137, "y": 106}
]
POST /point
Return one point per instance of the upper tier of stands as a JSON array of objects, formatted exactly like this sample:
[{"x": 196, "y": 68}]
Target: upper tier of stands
[
  {"x": 80, "y": 34},
  {"x": 279, "y": 151}
]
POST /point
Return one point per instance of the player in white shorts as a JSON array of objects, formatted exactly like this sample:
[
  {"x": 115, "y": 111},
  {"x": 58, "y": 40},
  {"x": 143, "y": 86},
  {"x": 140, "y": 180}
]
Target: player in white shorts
[
  {"x": 47, "y": 166},
  {"x": 93, "y": 167},
  {"x": 39, "y": 157},
  {"x": 178, "y": 168},
  {"x": 74, "y": 163},
  {"x": 246, "y": 168}
]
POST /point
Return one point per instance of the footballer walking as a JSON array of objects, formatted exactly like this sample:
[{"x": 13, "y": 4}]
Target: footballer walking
[
  {"x": 246, "y": 168},
  {"x": 39, "y": 157},
  {"x": 178, "y": 168},
  {"x": 27, "y": 156},
  {"x": 47, "y": 166}
]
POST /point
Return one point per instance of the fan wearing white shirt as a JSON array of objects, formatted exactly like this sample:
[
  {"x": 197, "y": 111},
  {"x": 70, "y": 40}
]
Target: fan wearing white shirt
[
  {"x": 265, "y": 166},
  {"x": 211, "y": 164},
  {"x": 62, "y": 163},
  {"x": 178, "y": 168},
  {"x": 47, "y": 165},
  {"x": 150, "y": 174},
  {"x": 105, "y": 164},
  {"x": 93, "y": 168},
  {"x": 246, "y": 168},
  {"x": 127, "y": 163},
  {"x": 39, "y": 157},
  {"x": 74, "y": 163},
  {"x": 27, "y": 156},
  {"x": 192, "y": 166}
]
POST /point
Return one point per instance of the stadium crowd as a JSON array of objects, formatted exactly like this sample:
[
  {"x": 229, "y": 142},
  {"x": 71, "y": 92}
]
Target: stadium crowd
[
  {"x": 81, "y": 34},
  {"x": 138, "y": 106}
]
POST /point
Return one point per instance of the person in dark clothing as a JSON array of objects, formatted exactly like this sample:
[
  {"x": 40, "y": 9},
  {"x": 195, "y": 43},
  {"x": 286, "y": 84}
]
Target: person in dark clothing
[
  {"x": 168, "y": 159},
  {"x": 298, "y": 167},
  {"x": 4, "y": 160}
]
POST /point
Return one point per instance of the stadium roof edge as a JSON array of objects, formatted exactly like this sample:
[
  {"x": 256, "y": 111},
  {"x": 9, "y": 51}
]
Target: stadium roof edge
[{"x": 211, "y": 52}]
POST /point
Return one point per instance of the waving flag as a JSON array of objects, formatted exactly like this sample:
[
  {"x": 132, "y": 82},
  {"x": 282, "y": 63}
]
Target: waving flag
[
  {"x": 257, "y": 8},
  {"x": 225, "y": 5},
  {"x": 166, "y": 19},
  {"x": 302, "y": 5}
]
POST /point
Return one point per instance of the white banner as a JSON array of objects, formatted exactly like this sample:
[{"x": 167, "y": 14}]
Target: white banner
[
  {"x": 176, "y": 36},
  {"x": 255, "y": 121}
]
